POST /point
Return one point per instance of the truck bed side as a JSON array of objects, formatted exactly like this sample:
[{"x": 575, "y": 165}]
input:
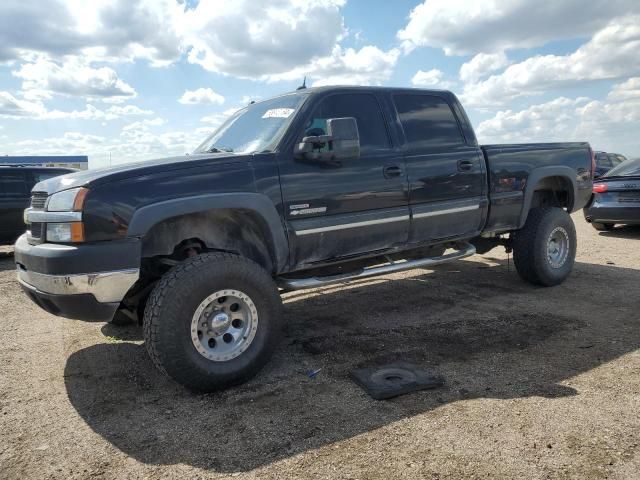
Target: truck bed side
[{"x": 522, "y": 176}]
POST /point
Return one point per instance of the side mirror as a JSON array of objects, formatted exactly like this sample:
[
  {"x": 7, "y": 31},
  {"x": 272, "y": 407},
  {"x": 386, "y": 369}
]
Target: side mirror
[{"x": 342, "y": 142}]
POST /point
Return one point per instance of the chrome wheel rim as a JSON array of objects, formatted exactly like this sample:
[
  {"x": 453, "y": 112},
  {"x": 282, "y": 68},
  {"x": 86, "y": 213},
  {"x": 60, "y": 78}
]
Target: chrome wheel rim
[
  {"x": 224, "y": 325},
  {"x": 557, "y": 247}
]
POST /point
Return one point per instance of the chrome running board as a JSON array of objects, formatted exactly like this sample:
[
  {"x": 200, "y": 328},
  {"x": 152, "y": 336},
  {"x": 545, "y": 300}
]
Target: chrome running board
[{"x": 288, "y": 284}]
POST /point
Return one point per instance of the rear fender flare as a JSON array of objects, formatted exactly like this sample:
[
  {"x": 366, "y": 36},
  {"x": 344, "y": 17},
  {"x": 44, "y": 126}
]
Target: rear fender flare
[{"x": 538, "y": 174}]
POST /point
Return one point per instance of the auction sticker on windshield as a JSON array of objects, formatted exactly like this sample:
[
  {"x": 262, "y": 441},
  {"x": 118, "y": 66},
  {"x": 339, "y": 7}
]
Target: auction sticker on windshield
[{"x": 278, "y": 113}]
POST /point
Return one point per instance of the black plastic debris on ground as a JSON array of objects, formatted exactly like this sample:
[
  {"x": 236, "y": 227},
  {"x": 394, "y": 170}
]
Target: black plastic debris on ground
[{"x": 394, "y": 379}]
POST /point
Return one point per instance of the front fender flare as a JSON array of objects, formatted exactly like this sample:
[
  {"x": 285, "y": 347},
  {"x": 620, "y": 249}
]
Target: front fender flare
[{"x": 146, "y": 217}]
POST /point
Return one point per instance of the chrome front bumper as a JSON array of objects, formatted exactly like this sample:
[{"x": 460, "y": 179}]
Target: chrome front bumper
[{"x": 106, "y": 287}]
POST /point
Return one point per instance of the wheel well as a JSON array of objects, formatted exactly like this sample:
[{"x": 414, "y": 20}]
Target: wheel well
[
  {"x": 237, "y": 231},
  {"x": 553, "y": 192},
  {"x": 166, "y": 244}
]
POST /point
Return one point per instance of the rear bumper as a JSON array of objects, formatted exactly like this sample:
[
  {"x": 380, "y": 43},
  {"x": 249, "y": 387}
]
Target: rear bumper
[
  {"x": 603, "y": 213},
  {"x": 72, "y": 281}
]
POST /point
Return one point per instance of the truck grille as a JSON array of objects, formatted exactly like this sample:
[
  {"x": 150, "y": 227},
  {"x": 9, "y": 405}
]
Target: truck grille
[
  {"x": 37, "y": 230},
  {"x": 38, "y": 200}
]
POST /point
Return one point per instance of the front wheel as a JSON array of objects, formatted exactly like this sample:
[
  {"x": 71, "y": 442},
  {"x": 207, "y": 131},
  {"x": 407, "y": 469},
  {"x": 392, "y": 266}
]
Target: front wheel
[
  {"x": 544, "y": 250},
  {"x": 213, "y": 321}
]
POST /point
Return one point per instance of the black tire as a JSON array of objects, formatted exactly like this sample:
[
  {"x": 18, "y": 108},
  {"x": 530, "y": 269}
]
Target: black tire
[
  {"x": 175, "y": 299},
  {"x": 121, "y": 320},
  {"x": 603, "y": 227},
  {"x": 530, "y": 247}
]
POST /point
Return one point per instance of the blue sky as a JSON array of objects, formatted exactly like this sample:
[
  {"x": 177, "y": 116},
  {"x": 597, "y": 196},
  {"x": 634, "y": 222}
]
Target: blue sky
[{"x": 140, "y": 79}]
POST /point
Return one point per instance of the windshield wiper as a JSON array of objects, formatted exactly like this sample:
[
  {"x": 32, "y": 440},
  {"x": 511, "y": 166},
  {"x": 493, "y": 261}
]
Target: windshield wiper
[{"x": 219, "y": 150}]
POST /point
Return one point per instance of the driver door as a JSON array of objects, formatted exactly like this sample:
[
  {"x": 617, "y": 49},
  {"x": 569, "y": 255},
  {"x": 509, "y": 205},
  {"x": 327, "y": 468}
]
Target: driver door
[{"x": 344, "y": 209}]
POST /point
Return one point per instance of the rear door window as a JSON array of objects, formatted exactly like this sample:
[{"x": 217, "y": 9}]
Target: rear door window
[
  {"x": 428, "y": 121},
  {"x": 14, "y": 184}
]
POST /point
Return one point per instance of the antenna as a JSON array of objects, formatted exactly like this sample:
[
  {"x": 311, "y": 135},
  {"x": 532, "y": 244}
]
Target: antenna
[{"x": 304, "y": 84}]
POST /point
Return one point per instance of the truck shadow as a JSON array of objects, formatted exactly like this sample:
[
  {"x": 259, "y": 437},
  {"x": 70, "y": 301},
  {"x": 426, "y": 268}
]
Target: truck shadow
[
  {"x": 488, "y": 333},
  {"x": 624, "y": 231},
  {"x": 6, "y": 260}
]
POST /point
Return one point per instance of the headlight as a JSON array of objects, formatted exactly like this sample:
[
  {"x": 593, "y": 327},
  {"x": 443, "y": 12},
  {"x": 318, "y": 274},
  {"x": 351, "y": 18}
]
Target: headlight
[
  {"x": 67, "y": 200},
  {"x": 65, "y": 232}
]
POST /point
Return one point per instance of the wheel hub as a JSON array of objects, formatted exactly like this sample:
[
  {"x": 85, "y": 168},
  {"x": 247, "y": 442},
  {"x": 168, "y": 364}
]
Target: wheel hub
[
  {"x": 224, "y": 325},
  {"x": 220, "y": 322},
  {"x": 557, "y": 247}
]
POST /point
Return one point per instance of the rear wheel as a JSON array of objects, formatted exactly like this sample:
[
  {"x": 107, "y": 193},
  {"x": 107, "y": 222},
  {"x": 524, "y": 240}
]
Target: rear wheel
[
  {"x": 603, "y": 227},
  {"x": 213, "y": 321},
  {"x": 544, "y": 249}
]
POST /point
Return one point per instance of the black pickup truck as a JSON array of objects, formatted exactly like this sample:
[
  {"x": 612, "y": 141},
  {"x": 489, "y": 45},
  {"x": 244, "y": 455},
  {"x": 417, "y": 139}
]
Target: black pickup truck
[
  {"x": 310, "y": 188},
  {"x": 16, "y": 182}
]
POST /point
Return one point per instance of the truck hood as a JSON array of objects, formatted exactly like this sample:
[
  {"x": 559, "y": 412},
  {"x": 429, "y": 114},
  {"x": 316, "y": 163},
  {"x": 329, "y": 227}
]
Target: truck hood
[{"x": 99, "y": 176}]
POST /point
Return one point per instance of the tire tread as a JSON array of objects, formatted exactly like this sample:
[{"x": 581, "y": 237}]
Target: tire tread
[
  {"x": 181, "y": 274},
  {"x": 530, "y": 265}
]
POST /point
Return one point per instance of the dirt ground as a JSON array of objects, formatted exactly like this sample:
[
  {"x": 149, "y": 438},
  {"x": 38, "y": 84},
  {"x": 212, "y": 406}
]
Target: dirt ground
[{"x": 541, "y": 383}]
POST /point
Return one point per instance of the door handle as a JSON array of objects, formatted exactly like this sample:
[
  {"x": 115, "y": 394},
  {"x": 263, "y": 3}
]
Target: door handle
[
  {"x": 465, "y": 165},
  {"x": 392, "y": 171}
]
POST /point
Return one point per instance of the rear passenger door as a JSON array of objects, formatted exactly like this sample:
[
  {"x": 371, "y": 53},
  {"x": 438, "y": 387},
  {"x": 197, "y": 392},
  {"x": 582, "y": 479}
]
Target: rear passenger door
[
  {"x": 14, "y": 198},
  {"x": 447, "y": 192}
]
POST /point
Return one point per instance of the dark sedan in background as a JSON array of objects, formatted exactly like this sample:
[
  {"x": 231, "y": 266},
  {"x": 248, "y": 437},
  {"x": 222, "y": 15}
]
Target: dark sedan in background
[
  {"x": 16, "y": 182},
  {"x": 616, "y": 197},
  {"x": 606, "y": 161}
]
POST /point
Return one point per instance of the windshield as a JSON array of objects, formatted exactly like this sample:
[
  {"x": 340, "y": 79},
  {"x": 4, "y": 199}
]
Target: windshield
[
  {"x": 254, "y": 128},
  {"x": 626, "y": 168}
]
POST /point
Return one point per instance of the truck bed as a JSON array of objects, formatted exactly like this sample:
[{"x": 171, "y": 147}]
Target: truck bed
[{"x": 512, "y": 167}]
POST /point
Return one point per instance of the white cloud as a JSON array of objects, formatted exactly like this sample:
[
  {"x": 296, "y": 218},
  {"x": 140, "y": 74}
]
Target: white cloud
[
  {"x": 144, "y": 124},
  {"x": 433, "y": 78},
  {"x": 264, "y": 40},
  {"x": 469, "y": 26},
  {"x": 133, "y": 144},
  {"x": 99, "y": 29},
  {"x": 612, "y": 53},
  {"x": 481, "y": 65},
  {"x": 127, "y": 110},
  {"x": 549, "y": 121},
  {"x": 70, "y": 143},
  {"x": 201, "y": 96},
  {"x": 611, "y": 124},
  {"x": 43, "y": 78},
  {"x": 626, "y": 91},
  {"x": 254, "y": 38},
  {"x": 12, "y": 107},
  {"x": 345, "y": 66}
]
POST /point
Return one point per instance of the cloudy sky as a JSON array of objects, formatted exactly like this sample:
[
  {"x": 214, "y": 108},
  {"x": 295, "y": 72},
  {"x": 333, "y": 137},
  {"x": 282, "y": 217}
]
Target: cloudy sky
[{"x": 137, "y": 79}]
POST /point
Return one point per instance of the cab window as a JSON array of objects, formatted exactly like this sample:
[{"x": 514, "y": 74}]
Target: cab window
[
  {"x": 602, "y": 160},
  {"x": 14, "y": 184},
  {"x": 363, "y": 107},
  {"x": 427, "y": 121}
]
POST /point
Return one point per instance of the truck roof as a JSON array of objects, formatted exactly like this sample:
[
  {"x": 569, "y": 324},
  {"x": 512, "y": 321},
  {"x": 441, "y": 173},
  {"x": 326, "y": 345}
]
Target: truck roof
[{"x": 362, "y": 88}]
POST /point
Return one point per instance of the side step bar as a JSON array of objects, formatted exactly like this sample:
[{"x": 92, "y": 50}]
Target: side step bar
[{"x": 289, "y": 284}]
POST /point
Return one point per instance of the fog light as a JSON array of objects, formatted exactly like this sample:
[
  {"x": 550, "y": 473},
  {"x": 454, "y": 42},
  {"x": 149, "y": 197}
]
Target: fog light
[{"x": 65, "y": 232}]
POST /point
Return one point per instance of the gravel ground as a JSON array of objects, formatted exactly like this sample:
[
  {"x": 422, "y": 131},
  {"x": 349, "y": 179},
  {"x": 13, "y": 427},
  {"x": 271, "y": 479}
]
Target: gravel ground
[{"x": 541, "y": 383}]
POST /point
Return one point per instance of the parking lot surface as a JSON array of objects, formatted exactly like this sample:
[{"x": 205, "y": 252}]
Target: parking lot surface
[{"x": 540, "y": 383}]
